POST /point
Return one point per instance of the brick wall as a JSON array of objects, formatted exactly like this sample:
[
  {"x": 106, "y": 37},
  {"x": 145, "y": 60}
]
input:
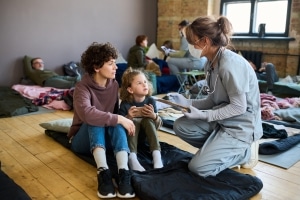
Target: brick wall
[
  {"x": 172, "y": 12},
  {"x": 274, "y": 51},
  {"x": 280, "y": 53}
]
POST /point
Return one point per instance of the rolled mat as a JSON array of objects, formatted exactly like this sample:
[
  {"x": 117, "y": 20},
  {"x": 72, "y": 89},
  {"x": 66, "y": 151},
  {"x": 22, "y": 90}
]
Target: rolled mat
[{"x": 277, "y": 146}]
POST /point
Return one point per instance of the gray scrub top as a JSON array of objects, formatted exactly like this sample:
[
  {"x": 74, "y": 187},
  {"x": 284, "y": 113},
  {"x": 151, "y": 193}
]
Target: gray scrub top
[{"x": 235, "y": 76}]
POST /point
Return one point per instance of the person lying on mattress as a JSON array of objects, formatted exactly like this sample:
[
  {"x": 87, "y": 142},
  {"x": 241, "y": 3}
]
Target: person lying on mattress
[
  {"x": 267, "y": 73},
  {"x": 227, "y": 123},
  {"x": 96, "y": 125},
  {"x": 43, "y": 77},
  {"x": 138, "y": 106}
]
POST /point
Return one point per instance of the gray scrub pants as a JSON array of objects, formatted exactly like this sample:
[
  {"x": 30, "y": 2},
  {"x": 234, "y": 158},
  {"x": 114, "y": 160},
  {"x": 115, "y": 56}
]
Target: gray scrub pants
[
  {"x": 177, "y": 65},
  {"x": 217, "y": 149}
]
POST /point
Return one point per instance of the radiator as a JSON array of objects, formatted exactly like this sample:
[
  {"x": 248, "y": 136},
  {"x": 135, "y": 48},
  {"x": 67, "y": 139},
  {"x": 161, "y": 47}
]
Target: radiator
[{"x": 253, "y": 56}]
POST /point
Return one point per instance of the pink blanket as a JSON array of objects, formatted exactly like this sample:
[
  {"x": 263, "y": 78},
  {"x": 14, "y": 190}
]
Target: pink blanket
[
  {"x": 35, "y": 92},
  {"x": 270, "y": 103}
]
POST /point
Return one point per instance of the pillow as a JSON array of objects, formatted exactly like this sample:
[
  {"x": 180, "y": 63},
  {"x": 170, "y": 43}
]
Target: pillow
[
  {"x": 153, "y": 52},
  {"x": 120, "y": 59},
  {"x": 27, "y": 60},
  {"x": 57, "y": 105},
  {"x": 121, "y": 69},
  {"x": 60, "y": 125}
]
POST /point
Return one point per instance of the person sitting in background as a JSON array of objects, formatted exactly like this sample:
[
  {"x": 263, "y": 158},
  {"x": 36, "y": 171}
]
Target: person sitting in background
[
  {"x": 188, "y": 61},
  {"x": 47, "y": 78},
  {"x": 167, "y": 48},
  {"x": 266, "y": 73},
  {"x": 137, "y": 56}
]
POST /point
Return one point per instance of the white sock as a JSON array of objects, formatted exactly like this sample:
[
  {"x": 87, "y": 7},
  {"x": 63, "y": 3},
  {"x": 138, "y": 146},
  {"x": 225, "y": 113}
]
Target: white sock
[
  {"x": 100, "y": 158},
  {"x": 122, "y": 160},
  {"x": 134, "y": 164},
  {"x": 157, "y": 162}
]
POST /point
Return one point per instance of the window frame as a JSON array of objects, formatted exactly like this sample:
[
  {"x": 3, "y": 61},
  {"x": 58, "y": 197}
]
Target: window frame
[{"x": 251, "y": 31}]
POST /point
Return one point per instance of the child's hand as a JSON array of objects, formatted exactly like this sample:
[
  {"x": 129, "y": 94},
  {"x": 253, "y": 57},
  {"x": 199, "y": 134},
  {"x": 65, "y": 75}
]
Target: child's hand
[
  {"x": 148, "y": 111},
  {"x": 135, "y": 112}
]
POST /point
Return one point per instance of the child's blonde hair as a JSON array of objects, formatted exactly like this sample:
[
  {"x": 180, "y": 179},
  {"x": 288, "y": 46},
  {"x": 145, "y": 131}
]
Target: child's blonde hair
[{"x": 127, "y": 79}]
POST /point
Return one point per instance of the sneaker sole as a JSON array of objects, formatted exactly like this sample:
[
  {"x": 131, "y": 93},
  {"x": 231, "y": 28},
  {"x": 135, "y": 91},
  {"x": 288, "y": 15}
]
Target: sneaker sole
[
  {"x": 125, "y": 196},
  {"x": 109, "y": 195}
]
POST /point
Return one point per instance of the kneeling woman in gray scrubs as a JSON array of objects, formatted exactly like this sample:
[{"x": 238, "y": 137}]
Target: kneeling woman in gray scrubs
[{"x": 227, "y": 122}]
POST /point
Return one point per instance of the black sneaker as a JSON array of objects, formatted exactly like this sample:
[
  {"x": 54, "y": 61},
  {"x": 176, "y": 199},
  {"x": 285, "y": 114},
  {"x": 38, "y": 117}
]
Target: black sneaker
[
  {"x": 106, "y": 188},
  {"x": 125, "y": 189}
]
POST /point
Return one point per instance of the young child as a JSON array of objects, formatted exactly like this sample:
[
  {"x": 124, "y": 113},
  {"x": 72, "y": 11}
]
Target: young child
[
  {"x": 96, "y": 123},
  {"x": 138, "y": 105}
]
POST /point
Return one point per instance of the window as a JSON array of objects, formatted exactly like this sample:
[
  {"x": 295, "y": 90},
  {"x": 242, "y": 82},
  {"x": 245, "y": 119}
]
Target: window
[{"x": 247, "y": 15}]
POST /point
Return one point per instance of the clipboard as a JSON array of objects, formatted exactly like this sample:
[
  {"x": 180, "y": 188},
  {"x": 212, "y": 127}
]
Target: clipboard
[{"x": 173, "y": 104}]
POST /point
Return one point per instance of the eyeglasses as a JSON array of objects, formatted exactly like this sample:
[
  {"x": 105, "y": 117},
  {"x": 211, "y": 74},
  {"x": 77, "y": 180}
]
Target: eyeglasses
[{"x": 38, "y": 63}]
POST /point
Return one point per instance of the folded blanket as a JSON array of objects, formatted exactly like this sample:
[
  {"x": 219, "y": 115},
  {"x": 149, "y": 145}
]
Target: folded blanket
[
  {"x": 289, "y": 115},
  {"x": 176, "y": 182},
  {"x": 12, "y": 103},
  {"x": 277, "y": 146},
  {"x": 287, "y": 124},
  {"x": 269, "y": 131}
]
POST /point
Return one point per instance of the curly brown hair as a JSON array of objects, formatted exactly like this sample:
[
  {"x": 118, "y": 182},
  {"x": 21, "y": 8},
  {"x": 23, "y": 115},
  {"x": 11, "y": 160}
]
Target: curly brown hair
[
  {"x": 127, "y": 79},
  {"x": 96, "y": 55}
]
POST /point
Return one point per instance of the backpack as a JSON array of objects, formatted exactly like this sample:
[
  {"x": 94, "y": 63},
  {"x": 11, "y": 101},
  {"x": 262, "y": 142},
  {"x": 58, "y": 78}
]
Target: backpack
[{"x": 72, "y": 69}]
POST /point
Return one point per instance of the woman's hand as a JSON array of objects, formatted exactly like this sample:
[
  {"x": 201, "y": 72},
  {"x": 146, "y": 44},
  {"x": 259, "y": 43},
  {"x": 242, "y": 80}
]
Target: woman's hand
[
  {"x": 179, "y": 99},
  {"x": 127, "y": 124},
  {"x": 196, "y": 113}
]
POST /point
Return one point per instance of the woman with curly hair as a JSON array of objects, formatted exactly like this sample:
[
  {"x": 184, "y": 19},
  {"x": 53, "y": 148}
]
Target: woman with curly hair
[
  {"x": 138, "y": 106},
  {"x": 96, "y": 122}
]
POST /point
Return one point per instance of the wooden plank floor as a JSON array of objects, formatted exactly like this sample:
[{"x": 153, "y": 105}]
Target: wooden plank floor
[{"x": 47, "y": 170}]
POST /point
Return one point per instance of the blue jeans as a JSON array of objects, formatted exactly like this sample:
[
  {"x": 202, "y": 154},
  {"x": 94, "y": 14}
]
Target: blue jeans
[{"x": 89, "y": 137}]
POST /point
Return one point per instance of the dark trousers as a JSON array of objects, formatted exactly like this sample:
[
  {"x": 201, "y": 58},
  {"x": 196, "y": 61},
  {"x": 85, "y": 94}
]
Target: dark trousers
[{"x": 268, "y": 75}]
